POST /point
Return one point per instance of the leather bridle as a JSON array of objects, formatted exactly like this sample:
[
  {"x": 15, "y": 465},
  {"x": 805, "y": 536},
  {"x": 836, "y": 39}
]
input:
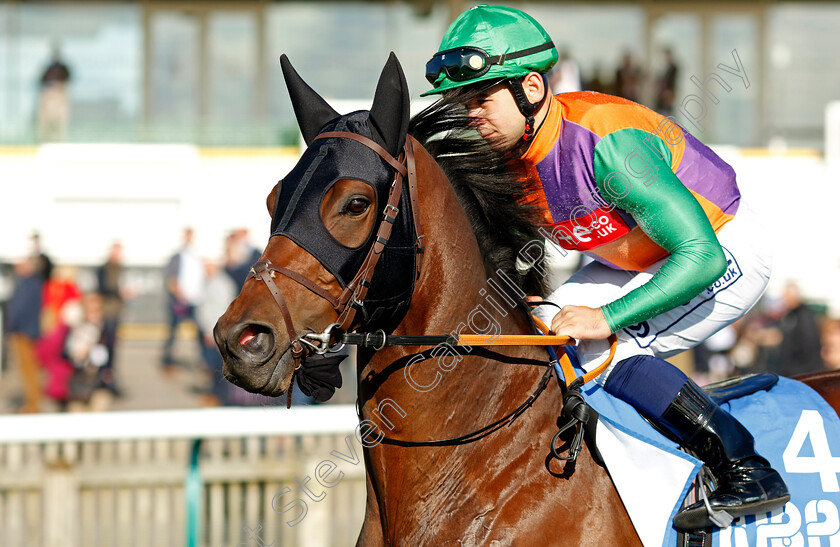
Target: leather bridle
[{"x": 352, "y": 298}]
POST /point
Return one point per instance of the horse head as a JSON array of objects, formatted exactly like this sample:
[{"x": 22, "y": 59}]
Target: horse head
[{"x": 325, "y": 224}]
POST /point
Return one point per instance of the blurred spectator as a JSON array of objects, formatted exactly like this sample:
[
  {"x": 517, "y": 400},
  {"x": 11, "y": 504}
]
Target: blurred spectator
[
  {"x": 712, "y": 360},
  {"x": 43, "y": 263},
  {"x": 59, "y": 289},
  {"x": 758, "y": 342},
  {"x": 666, "y": 85},
  {"x": 830, "y": 339},
  {"x": 50, "y": 351},
  {"x": 627, "y": 78},
  {"x": 565, "y": 76},
  {"x": 53, "y": 103},
  {"x": 219, "y": 292},
  {"x": 240, "y": 256},
  {"x": 23, "y": 328},
  {"x": 596, "y": 83},
  {"x": 109, "y": 286},
  {"x": 799, "y": 351},
  {"x": 60, "y": 308},
  {"x": 85, "y": 350},
  {"x": 184, "y": 285}
]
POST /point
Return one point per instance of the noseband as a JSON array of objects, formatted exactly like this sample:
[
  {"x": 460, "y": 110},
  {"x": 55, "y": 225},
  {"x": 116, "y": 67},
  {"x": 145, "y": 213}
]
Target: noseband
[{"x": 352, "y": 298}]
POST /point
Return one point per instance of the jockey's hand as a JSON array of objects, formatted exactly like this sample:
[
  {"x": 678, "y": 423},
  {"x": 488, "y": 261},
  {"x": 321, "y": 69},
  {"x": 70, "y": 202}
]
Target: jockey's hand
[{"x": 581, "y": 323}]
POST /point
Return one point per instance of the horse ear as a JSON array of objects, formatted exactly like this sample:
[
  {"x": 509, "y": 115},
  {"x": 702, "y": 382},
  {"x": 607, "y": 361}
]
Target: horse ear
[
  {"x": 389, "y": 114},
  {"x": 311, "y": 110}
]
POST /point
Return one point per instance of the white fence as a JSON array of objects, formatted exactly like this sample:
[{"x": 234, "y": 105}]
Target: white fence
[{"x": 263, "y": 475}]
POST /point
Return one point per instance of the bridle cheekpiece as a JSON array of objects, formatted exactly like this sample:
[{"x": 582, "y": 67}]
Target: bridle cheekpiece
[{"x": 351, "y": 301}]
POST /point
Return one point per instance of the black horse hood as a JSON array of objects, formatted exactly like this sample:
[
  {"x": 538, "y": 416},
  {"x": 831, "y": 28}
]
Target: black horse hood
[{"x": 297, "y": 207}]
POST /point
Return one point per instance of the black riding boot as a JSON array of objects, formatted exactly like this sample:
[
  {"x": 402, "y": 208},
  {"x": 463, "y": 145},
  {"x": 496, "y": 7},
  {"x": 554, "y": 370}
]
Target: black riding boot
[{"x": 745, "y": 482}]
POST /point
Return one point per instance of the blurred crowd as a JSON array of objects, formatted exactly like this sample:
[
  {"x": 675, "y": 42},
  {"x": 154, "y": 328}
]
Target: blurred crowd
[
  {"x": 199, "y": 291},
  {"x": 626, "y": 80},
  {"x": 63, "y": 340},
  {"x": 782, "y": 335}
]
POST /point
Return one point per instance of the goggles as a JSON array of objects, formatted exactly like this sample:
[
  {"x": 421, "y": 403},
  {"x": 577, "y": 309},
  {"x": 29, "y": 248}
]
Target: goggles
[{"x": 465, "y": 63}]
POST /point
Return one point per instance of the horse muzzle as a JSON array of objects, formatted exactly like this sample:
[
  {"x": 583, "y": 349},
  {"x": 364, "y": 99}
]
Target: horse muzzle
[{"x": 255, "y": 357}]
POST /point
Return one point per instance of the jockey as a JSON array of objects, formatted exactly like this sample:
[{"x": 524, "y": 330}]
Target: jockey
[{"x": 677, "y": 254}]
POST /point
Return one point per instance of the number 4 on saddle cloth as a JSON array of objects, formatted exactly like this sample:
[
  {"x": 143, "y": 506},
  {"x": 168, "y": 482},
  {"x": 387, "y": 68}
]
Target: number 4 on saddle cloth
[{"x": 794, "y": 428}]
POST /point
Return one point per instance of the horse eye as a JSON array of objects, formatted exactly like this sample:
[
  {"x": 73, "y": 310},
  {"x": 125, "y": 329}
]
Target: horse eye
[{"x": 356, "y": 207}]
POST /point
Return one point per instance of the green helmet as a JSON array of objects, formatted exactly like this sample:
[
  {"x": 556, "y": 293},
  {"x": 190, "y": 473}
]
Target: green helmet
[{"x": 489, "y": 43}]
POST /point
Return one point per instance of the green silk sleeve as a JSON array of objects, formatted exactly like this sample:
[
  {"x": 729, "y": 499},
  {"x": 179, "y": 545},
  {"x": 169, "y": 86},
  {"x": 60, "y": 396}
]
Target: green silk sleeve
[{"x": 633, "y": 172}]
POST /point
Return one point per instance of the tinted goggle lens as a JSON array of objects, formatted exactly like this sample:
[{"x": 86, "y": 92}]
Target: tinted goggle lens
[{"x": 460, "y": 64}]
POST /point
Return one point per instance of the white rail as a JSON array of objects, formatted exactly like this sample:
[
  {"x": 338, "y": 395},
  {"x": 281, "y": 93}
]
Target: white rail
[
  {"x": 294, "y": 477},
  {"x": 207, "y": 423}
]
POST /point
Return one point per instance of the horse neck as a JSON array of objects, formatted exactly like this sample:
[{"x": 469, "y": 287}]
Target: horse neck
[
  {"x": 455, "y": 289},
  {"x": 455, "y": 489},
  {"x": 455, "y": 292}
]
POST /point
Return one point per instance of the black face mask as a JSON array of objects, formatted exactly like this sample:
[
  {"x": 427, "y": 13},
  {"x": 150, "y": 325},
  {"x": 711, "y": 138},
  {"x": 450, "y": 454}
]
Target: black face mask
[
  {"x": 297, "y": 210},
  {"x": 297, "y": 216}
]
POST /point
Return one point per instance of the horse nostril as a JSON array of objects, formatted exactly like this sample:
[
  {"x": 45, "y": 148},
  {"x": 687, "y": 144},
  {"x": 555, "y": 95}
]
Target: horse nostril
[
  {"x": 249, "y": 333},
  {"x": 255, "y": 341}
]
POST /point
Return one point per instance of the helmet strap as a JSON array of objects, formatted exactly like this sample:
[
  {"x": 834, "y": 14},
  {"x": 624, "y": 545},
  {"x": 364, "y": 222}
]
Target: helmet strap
[
  {"x": 529, "y": 128},
  {"x": 527, "y": 108}
]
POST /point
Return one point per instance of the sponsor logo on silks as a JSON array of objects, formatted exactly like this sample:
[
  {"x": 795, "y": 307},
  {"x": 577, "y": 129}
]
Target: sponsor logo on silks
[
  {"x": 589, "y": 231},
  {"x": 642, "y": 334},
  {"x": 731, "y": 275}
]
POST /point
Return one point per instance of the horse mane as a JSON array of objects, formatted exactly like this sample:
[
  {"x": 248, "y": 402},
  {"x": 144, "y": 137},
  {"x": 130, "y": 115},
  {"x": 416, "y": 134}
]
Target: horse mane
[{"x": 491, "y": 189}]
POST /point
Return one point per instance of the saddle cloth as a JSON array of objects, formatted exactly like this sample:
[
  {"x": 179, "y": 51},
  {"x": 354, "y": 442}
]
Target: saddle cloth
[{"x": 794, "y": 428}]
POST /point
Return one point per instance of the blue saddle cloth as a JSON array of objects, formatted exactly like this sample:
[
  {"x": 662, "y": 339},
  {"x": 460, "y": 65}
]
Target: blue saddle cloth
[{"x": 794, "y": 428}]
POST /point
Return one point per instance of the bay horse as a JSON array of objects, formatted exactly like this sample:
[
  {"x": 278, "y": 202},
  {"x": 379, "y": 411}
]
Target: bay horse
[{"x": 448, "y": 266}]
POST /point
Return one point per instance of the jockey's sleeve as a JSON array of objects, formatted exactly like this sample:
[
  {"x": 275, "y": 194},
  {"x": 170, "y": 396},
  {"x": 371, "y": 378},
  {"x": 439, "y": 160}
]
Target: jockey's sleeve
[{"x": 670, "y": 216}]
